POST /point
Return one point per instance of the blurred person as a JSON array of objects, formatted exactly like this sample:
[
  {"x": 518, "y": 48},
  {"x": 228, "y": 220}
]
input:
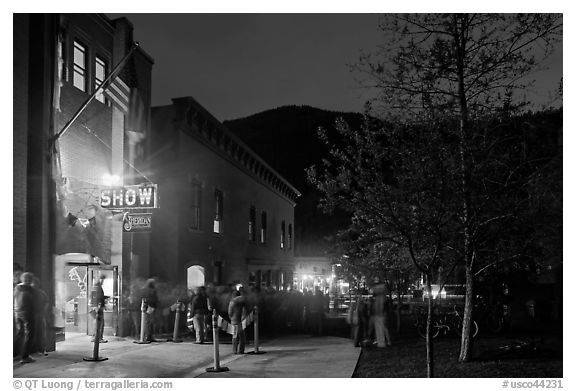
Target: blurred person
[
  {"x": 199, "y": 309},
  {"x": 358, "y": 318},
  {"x": 380, "y": 313},
  {"x": 317, "y": 308},
  {"x": 24, "y": 295},
  {"x": 150, "y": 297},
  {"x": 16, "y": 273},
  {"x": 237, "y": 312},
  {"x": 98, "y": 303},
  {"x": 134, "y": 306},
  {"x": 41, "y": 306}
]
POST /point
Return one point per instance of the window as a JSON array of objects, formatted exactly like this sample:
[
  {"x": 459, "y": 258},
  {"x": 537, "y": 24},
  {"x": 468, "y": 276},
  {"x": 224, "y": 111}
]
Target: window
[
  {"x": 282, "y": 234},
  {"x": 218, "y": 212},
  {"x": 252, "y": 224},
  {"x": 289, "y": 236},
  {"x": 263, "y": 228},
  {"x": 99, "y": 76},
  {"x": 79, "y": 66},
  {"x": 195, "y": 197}
]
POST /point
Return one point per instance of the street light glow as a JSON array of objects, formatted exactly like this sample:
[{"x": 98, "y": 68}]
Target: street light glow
[{"x": 111, "y": 179}]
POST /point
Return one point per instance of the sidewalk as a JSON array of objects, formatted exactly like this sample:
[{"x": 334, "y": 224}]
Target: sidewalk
[
  {"x": 297, "y": 357},
  {"x": 290, "y": 356}
]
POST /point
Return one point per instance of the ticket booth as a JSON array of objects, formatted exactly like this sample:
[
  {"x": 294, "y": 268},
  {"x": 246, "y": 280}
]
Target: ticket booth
[{"x": 75, "y": 275}]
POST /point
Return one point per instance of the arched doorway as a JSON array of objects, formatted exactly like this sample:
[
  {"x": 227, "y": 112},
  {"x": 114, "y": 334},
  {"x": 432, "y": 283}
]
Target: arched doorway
[{"x": 195, "y": 276}]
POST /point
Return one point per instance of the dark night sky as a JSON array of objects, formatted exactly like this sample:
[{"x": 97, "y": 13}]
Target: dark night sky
[{"x": 240, "y": 64}]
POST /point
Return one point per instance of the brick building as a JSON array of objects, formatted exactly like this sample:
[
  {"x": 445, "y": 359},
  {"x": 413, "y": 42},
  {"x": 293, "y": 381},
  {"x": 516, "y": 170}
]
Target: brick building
[
  {"x": 226, "y": 216},
  {"x": 61, "y": 234}
]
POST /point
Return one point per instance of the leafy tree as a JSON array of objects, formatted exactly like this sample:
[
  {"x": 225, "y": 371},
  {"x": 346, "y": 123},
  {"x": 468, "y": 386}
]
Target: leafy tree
[
  {"x": 396, "y": 182},
  {"x": 462, "y": 69}
]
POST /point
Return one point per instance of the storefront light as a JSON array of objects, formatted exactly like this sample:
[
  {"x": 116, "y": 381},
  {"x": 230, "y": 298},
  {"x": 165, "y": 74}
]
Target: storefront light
[{"x": 111, "y": 180}]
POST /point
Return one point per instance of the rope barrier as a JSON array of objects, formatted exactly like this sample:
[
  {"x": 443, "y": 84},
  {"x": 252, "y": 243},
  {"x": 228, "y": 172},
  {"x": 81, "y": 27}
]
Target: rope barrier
[{"x": 226, "y": 326}]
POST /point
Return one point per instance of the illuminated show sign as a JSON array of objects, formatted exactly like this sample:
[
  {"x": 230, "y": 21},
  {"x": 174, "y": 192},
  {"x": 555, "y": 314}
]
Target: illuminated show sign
[
  {"x": 130, "y": 197},
  {"x": 137, "y": 222}
]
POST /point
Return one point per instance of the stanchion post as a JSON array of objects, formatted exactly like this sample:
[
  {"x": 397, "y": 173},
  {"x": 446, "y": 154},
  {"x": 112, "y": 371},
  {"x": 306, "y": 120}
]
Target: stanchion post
[
  {"x": 97, "y": 337},
  {"x": 256, "y": 333},
  {"x": 215, "y": 337},
  {"x": 143, "y": 309},
  {"x": 177, "y": 321}
]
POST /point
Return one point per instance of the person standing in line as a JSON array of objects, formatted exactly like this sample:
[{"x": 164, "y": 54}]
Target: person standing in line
[
  {"x": 380, "y": 311},
  {"x": 151, "y": 299},
  {"x": 16, "y": 273},
  {"x": 40, "y": 318},
  {"x": 358, "y": 319},
  {"x": 133, "y": 304},
  {"x": 24, "y": 316},
  {"x": 199, "y": 309},
  {"x": 237, "y": 312},
  {"x": 98, "y": 302},
  {"x": 317, "y": 308}
]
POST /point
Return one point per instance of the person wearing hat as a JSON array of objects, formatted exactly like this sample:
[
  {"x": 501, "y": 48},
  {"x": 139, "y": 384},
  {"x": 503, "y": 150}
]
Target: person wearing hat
[{"x": 98, "y": 301}]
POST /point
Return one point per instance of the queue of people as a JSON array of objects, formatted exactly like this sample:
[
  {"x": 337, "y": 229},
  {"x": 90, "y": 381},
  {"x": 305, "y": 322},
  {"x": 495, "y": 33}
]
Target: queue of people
[
  {"x": 369, "y": 317},
  {"x": 279, "y": 312}
]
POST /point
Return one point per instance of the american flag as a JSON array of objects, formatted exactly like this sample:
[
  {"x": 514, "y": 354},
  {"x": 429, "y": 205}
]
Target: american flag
[{"x": 119, "y": 94}]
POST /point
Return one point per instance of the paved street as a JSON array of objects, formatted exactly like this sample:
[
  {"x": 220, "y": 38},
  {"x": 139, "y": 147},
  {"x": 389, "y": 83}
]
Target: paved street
[{"x": 291, "y": 356}]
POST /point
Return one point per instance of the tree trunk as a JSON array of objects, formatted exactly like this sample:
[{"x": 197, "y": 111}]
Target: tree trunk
[
  {"x": 460, "y": 40},
  {"x": 466, "y": 343},
  {"x": 399, "y": 306},
  {"x": 429, "y": 342}
]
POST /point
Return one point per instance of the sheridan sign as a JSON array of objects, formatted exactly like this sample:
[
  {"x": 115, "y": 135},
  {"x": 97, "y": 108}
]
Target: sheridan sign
[
  {"x": 137, "y": 222},
  {"x": 130, "y": 197}
]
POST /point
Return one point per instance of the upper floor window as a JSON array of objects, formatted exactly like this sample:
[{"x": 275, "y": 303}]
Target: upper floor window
[
  {"x": 282, "y": 235},
  {"x": 219, "y": 211},
  {"x": 195, "y": 197},
  {"x": 263, "y": 226},
  {"x": 252, "y": 224},
  {"x": 99, "y": 76},
  {"x": 80, "y": 66},
  {"x": 289, "y": 236}
]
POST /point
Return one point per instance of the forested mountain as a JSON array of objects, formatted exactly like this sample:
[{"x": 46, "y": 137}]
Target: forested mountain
[{"x": 287, "y": 139}]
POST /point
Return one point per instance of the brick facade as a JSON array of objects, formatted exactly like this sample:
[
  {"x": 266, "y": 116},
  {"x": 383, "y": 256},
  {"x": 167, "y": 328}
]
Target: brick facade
[{"x": 192, "y": 147}]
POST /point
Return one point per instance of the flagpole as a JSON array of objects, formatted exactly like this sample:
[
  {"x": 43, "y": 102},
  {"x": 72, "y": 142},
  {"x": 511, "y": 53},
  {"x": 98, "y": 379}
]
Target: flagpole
[{"x": 105, "y": 83}]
